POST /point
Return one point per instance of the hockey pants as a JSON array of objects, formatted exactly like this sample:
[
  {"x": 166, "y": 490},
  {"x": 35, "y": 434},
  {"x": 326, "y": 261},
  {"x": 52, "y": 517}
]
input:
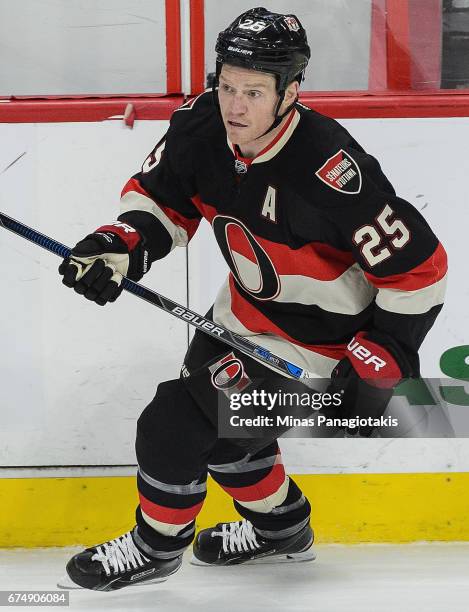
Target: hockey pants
[{"x": 177, "y": 445}]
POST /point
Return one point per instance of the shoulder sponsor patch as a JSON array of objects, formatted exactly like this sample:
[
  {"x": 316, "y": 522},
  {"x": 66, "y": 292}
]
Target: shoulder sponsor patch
[{"x": 341, "y": 172}]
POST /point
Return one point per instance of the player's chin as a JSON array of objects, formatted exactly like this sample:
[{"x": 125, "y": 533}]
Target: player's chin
[{"x": 239, "y": 136}]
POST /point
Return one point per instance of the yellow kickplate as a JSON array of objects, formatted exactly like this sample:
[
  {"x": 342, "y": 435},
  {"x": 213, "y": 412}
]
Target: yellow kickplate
[{"x": 346, "y": 508}]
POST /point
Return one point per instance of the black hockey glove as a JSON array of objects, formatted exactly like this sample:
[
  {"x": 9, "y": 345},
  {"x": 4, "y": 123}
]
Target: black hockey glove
[
  {"x": 367, "y": 375},
  {"x": 99, "y": 261}
]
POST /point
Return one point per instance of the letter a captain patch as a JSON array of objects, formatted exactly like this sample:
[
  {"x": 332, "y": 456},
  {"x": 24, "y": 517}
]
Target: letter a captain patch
[{"x": 341, "y": 172}]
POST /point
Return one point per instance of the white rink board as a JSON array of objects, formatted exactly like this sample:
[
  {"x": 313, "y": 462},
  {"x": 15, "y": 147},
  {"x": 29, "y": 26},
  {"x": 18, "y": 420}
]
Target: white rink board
[{"x": 74, "y": 377}]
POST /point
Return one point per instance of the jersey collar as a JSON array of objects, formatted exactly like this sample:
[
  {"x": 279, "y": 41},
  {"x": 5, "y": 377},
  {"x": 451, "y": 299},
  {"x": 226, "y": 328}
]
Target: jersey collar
[{"x": 274, "y": 146}]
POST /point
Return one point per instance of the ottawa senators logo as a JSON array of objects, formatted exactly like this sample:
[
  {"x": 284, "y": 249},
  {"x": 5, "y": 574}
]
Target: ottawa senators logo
[
  {"x": 228, "y": 375},
  {"x": 341, "y": 172}
]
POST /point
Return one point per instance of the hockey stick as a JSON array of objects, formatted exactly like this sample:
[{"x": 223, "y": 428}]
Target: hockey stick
[{"x": 216, "y": 331}]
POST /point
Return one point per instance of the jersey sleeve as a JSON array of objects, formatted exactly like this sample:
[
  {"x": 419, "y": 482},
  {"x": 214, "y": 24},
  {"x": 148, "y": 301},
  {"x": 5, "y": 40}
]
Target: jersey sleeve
[
  {"x": 157, "y": 200},
  {"x": 395, "y": 247}
]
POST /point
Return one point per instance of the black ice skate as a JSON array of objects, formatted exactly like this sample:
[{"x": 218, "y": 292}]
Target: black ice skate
[
  {"x": 238, "y": 542},
  {"x": 116, "y": 564}
]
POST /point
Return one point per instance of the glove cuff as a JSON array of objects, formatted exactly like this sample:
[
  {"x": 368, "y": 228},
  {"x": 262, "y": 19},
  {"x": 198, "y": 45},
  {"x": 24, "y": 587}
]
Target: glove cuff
[
  {"x": 373, "y": 362},
  {"x": 133, "y": 243},
  {"x": 128, "y": 234}
]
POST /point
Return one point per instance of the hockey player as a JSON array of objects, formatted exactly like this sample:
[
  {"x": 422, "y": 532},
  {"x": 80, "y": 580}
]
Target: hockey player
[{"x": 329, "y": 269}]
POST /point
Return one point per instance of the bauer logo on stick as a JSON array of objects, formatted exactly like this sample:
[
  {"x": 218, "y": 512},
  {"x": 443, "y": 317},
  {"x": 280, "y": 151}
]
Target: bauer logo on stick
[{"x": 341, "y": 172}]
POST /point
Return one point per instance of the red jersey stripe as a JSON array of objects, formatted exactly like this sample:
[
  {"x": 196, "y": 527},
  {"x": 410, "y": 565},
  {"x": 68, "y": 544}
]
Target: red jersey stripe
[
  {"x": 315, "y": 260},
  {"x": 427, "y": 273},
  {"x": 255, "y": 321},
  {"x": 133, "y": 185},
  {"x": 207, "y": 211},
  {"x": 265, "y": 487},
  {"x": 189, "y": 225},
  {"x": 174, "y": 516}
]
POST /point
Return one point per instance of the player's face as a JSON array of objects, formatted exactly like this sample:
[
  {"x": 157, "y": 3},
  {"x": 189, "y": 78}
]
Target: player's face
[{"x": 248, "y": 99}]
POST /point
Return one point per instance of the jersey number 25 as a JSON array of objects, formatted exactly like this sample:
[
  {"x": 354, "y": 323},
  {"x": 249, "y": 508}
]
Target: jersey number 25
[{"x": 369, "y": 239}]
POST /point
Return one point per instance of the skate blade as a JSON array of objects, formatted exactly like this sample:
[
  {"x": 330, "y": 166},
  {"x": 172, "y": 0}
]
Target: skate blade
[
  {"x": 67, "y": 583},
  {"x": 307, "y": 555}
]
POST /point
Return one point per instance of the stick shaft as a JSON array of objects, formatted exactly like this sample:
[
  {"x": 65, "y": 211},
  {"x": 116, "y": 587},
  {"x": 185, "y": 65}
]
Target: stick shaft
[{"x": 188, "y": 316}]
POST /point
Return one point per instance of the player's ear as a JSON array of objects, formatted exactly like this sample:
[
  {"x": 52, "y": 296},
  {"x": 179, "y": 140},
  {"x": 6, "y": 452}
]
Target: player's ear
[{"x": 291, "y": 93}]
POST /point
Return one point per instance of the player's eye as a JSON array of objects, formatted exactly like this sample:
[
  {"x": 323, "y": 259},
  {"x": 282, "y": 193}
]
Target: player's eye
[
  {"x": 254, "y": 94},
  {"x": 226, "y": 88}
]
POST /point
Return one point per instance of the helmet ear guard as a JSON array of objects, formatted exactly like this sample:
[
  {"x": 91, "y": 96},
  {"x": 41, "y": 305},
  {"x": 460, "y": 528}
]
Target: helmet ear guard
[{"x": 268, "y": 42}]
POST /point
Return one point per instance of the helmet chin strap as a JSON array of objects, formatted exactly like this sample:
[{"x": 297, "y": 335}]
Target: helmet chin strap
[{"x": 278, "y": 118}]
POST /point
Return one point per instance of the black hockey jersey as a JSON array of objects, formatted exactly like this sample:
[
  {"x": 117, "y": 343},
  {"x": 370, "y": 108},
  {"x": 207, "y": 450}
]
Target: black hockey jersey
[{"x": 318, "y": 243}]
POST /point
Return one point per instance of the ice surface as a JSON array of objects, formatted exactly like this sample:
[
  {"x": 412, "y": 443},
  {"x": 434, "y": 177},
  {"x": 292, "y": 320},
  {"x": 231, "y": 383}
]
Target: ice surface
[{"x": 374, "y": 578}]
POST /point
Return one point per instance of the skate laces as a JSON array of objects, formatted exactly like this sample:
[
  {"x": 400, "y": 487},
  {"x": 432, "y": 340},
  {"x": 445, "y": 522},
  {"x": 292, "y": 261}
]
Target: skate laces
[
  {"x": 239, "y": 536},
  {"x": 119, "y": 554}
]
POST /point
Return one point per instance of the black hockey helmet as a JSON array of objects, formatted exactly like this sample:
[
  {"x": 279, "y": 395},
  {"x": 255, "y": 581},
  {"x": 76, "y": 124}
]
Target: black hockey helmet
[{"x": 270, "y": 42}]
